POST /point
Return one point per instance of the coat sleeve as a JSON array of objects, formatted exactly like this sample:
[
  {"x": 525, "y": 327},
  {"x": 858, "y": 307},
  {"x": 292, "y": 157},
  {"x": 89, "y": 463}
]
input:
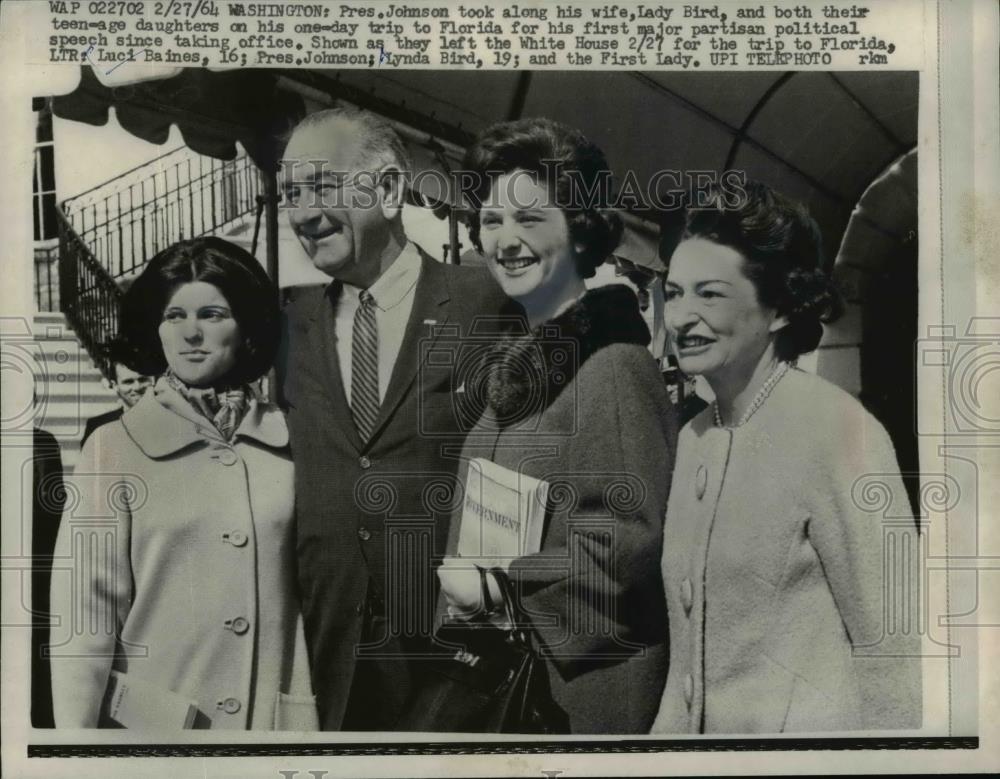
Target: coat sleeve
[
  {"x": 596, "y": 593},
  {"x": 91, "y": 585},
  {"x": 864, "y": 534}
]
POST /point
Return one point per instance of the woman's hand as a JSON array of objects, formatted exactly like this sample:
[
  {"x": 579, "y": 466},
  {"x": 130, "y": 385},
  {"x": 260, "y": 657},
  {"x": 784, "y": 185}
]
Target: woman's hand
[{"x": 462, "y": 587}]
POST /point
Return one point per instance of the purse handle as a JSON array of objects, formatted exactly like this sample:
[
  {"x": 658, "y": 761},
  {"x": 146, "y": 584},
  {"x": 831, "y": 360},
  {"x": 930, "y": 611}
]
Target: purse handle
[{"x": 508, "y": 602}]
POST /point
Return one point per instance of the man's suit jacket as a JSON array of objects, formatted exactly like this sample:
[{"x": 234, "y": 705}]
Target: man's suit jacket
[
  {"x": 101, "y": 419},
  {"x": 371, "y": 516}
]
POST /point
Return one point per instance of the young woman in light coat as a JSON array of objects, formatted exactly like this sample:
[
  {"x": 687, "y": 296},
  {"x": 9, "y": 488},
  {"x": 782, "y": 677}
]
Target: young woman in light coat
[
  {"x": 778, "y": 563},
  {"x": 179, "y": 545}
]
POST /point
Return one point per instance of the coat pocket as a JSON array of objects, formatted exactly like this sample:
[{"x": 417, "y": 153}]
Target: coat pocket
[{"x": 295, "y": 712}]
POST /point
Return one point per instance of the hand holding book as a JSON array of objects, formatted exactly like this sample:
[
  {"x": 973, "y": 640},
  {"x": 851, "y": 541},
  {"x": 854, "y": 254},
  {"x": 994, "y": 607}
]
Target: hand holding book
[{"x": 503, "y": 514}]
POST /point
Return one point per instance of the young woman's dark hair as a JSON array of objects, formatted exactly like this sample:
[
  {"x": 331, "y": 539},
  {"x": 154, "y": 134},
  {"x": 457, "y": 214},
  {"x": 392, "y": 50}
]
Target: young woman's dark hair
[
  {"x": 251, "y": 295},
  {"x": 783, "y": 257},
  {"x": 574, "y": 170}
]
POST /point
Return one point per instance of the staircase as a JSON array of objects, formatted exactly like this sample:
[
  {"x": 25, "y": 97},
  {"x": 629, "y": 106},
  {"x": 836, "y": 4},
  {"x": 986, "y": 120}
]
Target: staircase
[
  {"x": 106, "y": 236},
  {"x": 68, "y": 385}
]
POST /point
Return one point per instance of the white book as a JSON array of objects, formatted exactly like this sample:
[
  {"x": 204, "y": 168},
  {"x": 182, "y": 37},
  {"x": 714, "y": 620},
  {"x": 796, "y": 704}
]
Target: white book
[
  {"x": 502, "y": 515},
  {"x": 140, "y": 705}
]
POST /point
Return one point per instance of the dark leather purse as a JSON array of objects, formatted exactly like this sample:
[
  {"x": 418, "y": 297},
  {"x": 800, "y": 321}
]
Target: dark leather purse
[{"x": 485, "y": 679}]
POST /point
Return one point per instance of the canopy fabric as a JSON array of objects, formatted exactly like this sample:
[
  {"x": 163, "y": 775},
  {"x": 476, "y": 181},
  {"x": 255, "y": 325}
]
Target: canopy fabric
[
  {"x": 820, "y": 137},
  {"x": 212, "y": 110}
]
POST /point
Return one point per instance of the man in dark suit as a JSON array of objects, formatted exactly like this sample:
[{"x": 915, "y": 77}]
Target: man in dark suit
[
  {"x": 48, "y": 501},
  {"x": 368, "y": 378},
  {"x": 129, "y": 385}
]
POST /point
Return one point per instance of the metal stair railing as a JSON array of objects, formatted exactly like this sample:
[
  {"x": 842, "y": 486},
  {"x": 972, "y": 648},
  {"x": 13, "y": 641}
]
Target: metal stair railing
[
  {"x": 127, "y": 220},
  {"x": 109, "y": 232},
  {"x": 88, "y": 295}
]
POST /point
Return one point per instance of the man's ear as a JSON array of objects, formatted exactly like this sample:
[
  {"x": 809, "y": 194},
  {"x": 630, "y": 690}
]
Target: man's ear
[{"x": 392, "y": 190}]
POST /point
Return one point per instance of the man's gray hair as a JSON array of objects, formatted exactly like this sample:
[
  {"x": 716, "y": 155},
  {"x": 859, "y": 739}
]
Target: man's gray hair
[{"x": 379, "y": 145}]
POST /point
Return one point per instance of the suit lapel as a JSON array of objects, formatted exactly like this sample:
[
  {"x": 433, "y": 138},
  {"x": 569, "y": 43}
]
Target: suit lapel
[
  {"x": 429, "y": 306},
  {"x": 325, "y": 331}
]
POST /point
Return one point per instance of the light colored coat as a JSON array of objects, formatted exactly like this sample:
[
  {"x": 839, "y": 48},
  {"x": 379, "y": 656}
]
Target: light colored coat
[
  {"x": 181, "y": 552},
  {"x": 773, "y": 561}
]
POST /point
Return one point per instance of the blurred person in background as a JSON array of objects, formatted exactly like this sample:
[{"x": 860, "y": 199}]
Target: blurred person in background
[{"x": 127, "y": 384}]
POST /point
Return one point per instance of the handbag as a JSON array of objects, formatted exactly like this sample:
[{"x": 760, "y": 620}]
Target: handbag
[{"x": 485, "y": 678}]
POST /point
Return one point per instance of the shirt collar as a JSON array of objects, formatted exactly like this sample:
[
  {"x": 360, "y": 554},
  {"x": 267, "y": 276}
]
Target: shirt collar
[
  {"x": 392, "y": 287},
  {"x": 163, "y": 423}
]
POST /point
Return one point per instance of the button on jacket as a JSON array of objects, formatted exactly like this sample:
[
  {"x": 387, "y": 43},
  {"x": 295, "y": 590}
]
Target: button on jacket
[
  {"x": 178, "y": 568},
  {"x": 773, "y": 552}
]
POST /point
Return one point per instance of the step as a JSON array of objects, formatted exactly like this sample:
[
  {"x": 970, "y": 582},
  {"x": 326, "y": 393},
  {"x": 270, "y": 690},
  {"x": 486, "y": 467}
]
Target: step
[
  {"x": 70, "y": 424},
  {"x": 69, "y": 411},
  {"x": 69, "y": 386}
]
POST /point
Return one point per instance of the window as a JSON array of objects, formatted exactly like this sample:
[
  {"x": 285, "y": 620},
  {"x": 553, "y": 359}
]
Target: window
[{"x": 44, "y": 184}]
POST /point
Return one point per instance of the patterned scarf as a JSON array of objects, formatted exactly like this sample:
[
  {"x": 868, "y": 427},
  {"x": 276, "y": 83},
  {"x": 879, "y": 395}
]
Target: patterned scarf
[{"x": 225, "y": 408}]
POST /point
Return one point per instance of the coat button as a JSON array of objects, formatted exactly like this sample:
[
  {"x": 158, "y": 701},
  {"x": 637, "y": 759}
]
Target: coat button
[
  {"x": 687, "y": 595},
  {"x": 365, "y": 463},
  {"x": 239, "y": 625},
  {"x": 236, "y": 538},
  {"x": 359, "y": 608},
  {"x": 701, "y": 482},
  {"x": 688, "y": 689},
  {"x": 229, "y": 705},
  {"x": 228, "y": 457},
  {"x": 364, "y": 534}
]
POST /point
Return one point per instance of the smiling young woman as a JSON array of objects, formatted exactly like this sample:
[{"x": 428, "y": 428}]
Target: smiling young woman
[
  {"x": 525, "y": 238},
  {"x": 574, "y": 398}
]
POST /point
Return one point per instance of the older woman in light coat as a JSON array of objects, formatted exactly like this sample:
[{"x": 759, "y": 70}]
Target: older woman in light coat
[
  {"x": 180, "y": 544},
  {"x": 776, "y": 566}
]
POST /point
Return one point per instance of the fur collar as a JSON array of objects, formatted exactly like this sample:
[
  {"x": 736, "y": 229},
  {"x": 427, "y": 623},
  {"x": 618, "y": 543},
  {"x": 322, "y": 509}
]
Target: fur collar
[{"x": 528, "y": 369}]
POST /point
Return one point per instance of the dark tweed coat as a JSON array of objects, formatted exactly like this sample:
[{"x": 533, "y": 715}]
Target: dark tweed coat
[{"x": 579, "y": 403}]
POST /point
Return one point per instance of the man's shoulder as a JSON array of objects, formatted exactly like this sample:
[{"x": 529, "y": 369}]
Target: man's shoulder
[
  {"x": 296, "y": 297},
  {"x": 101, "y": 419},
  {"x": 474, "y": 286},
  {"x": 301, "y": 302},
  {"x": 107, "y": 416}
]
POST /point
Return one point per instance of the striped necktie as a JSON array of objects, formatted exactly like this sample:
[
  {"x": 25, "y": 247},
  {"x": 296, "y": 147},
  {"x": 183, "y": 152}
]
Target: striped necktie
[{"x": 364, "y": 367}]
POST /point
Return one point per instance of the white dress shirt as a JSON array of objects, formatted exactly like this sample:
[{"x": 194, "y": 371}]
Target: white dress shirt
[{"x": 393, "y": 293}]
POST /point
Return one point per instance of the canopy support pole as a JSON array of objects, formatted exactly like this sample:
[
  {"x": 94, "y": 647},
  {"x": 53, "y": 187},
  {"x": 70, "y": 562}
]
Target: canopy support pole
[{"x": 270, "y": 177}]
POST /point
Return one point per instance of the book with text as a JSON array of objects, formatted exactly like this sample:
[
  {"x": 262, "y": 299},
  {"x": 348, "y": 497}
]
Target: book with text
[
  {"x": 140, "y": 705},
  {"x": 502, "y": 515}
]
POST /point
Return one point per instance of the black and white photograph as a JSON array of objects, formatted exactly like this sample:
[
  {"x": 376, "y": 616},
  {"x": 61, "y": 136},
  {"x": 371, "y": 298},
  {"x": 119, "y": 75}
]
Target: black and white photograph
[{"x": 477, "y": 411}]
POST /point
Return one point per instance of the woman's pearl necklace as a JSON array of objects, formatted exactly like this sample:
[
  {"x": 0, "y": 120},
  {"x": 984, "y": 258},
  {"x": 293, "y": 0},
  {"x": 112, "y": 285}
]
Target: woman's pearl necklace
[{"x": 759, "y": 398}]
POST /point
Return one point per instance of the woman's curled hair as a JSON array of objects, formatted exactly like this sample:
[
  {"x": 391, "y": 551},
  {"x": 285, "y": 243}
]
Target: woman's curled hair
[
  {"x": 574, "y": 170},
  {"x": 251, "y": 294},
  {"x": 782, "y": 249}
]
